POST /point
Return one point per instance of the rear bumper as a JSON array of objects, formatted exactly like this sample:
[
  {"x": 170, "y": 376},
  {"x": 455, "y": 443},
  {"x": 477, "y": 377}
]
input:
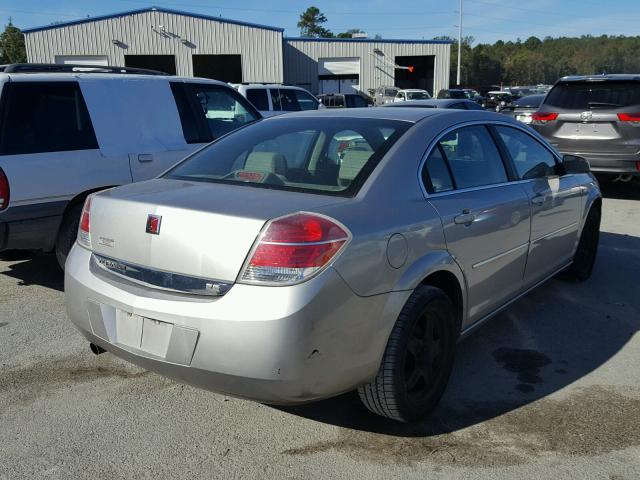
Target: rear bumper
[
  {"x": 281, "y": 345},
  {"x": 31, "y": 227},
  {"x": 613, "y": 163}
]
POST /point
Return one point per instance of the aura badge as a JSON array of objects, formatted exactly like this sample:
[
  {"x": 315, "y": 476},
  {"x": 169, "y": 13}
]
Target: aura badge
[{"x": 153, "y": 224}]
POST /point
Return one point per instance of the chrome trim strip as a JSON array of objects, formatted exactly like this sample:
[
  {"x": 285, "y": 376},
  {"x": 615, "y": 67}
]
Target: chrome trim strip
[
  {"x": 158, "y": 279},
  {"x": 500, "y": 255},
  {"x": 574, "y": 224}
]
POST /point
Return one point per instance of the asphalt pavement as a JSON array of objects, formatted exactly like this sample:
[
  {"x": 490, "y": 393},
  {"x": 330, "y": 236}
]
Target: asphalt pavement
[{"x": 548, "y": 389}]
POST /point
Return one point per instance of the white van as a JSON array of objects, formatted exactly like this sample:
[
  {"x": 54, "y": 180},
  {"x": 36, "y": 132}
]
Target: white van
[
  {"x": 275, "y": 99},
  {"x": 67, "y": 131}
]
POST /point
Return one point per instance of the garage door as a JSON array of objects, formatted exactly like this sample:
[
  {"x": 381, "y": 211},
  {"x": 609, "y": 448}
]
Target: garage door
[
  {"x": 82, "y": 59},
  {"x": 339, "y": 66}
]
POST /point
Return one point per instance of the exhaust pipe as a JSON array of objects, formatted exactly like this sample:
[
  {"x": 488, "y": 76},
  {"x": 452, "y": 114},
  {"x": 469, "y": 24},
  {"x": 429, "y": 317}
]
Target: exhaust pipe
[{"x": 97, "y": 350}]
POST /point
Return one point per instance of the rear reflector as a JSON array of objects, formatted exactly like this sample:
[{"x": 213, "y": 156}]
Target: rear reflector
[
  {"x": 84, "y": 230},
  {"x": 4, "y": 190},
  {"x": 294, "y": 248},
  {"x": 544, "y": 116},
  {"x": 629, "y": 117}
]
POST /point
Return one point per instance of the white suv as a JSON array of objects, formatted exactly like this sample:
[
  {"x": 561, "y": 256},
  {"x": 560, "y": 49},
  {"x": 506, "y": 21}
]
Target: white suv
[
  {"x": 68, "y": 131},
  {"x": 275, "y": 99}
]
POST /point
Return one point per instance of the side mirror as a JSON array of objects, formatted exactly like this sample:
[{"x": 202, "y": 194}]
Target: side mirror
[{"x": 575, "y": 164}]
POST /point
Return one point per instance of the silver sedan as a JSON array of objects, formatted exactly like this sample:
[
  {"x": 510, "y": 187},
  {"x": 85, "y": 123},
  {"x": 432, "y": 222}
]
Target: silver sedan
[{"x": 320, "y": 252}]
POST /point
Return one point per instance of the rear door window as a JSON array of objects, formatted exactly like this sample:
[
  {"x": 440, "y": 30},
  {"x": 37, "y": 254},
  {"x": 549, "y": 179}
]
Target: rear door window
[
  {"x": 473, "y": 157},
  {"x": 45, "y": 117},
  {"x": 435, "y": 174},
  {"x": 589, "y": 95},
  {"x": 530, "y": 158},
  {"x": 356, "y": 101},
  {"x": 210, "y": 111},
  {"x": 258, "y": 97}
]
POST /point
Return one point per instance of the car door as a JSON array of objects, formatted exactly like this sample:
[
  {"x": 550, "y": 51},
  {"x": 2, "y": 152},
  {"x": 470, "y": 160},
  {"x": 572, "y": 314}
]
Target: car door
[
  {"x": 485, "y": 216},
  {"x": 556, "y": 200},
  {"x": 206, "y": 112}
]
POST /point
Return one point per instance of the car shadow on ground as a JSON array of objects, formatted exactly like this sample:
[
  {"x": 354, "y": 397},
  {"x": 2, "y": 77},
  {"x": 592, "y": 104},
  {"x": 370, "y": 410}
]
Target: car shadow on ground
[
  {"x": 34, "y": 268},
  {"x": 621, "y": 190},
  {"x": 554, "y": 336}
]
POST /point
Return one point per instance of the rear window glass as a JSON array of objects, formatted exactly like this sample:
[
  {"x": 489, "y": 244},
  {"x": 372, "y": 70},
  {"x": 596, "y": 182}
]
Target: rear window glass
[
  {"x": 302, "y": 154},
  {"x": 587, "y": 95}
]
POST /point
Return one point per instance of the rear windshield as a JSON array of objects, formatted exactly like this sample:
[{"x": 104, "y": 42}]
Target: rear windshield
[
  {"x": 587, "y": 95},
  {"x": 317, "y": 155},
  {"x": 418, "y": 96}
]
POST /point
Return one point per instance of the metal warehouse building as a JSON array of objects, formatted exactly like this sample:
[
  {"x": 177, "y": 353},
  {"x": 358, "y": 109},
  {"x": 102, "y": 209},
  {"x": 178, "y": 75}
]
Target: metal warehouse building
[{"x": 190, "y": 44}]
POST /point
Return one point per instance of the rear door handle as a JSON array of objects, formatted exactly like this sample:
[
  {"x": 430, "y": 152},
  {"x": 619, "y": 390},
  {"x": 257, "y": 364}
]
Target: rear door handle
[
  {"x": 539, "y": 200},
  {"x": 465, "y": 218},
  {"x": 145, "y": 157}
]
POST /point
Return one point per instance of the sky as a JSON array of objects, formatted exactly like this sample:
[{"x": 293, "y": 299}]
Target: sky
[{"x": 486, "y": 20}]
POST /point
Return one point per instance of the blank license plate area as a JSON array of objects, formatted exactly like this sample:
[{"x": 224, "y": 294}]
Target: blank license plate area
[
  {"x": 150, "y": 336},
  {"x": 599, "y": 131}
]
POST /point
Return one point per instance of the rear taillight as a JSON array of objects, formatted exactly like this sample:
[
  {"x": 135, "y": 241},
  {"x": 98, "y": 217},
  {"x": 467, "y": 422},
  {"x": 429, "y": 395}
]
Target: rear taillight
[
  {"x": 544, "y": 117},
  {"x": 84, "y": 230},
  {"x": 629, "y": 117},
  {"x": 4, "y": 190},
  {"x": 292, "y": 249}
]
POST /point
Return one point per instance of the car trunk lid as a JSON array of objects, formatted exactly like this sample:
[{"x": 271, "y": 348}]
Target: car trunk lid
[{"x": 203, "y": 230}]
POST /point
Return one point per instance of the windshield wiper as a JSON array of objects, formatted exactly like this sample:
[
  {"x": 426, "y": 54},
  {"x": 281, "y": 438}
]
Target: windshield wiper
[{"x": 602, "y": 105}]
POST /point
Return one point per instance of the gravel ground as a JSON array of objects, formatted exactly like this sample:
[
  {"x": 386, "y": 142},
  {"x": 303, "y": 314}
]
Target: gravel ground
[{"x": 549, "y": 389}]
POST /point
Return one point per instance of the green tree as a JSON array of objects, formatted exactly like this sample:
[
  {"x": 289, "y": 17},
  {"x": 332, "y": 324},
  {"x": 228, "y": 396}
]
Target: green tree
[
  {"x": 12, "y": 49},
  {"x": 349, "y": 33},
  {"x": 310, "y": 24}
]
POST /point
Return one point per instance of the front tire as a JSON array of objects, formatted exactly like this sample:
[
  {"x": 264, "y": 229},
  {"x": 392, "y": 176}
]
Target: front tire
[
  {"x": 417, "y": 361},
  {"x": 67, "y": 234},
  {"x": 585, "y": 256}
]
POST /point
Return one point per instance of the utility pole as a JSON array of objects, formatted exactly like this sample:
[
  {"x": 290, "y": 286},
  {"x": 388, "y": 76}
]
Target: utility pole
[{"x": 459, "y": 42}]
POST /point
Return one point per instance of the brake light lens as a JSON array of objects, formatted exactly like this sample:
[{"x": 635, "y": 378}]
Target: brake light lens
[
  {"x": 293, "y": 249},
  {"x": 84, "y": 230},
  {"x": 544, "y": 117},
  {"x": 629, "y": 117},
  {"x": 4, "y": 190}
]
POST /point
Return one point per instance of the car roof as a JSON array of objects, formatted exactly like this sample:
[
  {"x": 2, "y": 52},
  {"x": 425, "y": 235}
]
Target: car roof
[
  {"x": 603, "y": 77},
  {"x": 66, "y": 76},
  {"x": 388, "y": 113},
  {"x": 412, "y": 90},
  {"x": 432, "y": 102},
  {"x": 529, "y": 101}
]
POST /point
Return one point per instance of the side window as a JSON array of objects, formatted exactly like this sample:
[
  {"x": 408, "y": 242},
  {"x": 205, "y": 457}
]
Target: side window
[
  {"x": 473, "y": 157},
  {"x": 187, "y": 117},
  {"x": 222, "y": 109},
  {"x": 258, "y": 97},
  {"x": 356, "y": 101},
  {"x": 275, "y": 99},
  {"x": 45, "y": 117},
  {"x": 435, "y": 174},
  {"x": 530, "y": 158},
  {"x": 289, "y": 100},
  {"x": 305, "y": 100}
]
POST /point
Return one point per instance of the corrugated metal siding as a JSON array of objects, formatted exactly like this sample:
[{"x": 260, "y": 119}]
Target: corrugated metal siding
[
  {"x": 301, "y": 60},
  {"x": 261, "y": 49}
]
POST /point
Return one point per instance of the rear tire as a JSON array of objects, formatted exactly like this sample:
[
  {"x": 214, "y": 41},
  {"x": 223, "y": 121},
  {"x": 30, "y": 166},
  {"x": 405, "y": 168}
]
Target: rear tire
[
  {"x": 67, "y": 234},
  {"x": 585, "y": 256},
  {"x": 417, "y": 361}
]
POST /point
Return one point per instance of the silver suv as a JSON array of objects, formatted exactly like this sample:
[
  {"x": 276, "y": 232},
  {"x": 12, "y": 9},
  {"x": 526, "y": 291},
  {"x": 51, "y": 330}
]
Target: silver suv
[{"x": 596, "y": 117}]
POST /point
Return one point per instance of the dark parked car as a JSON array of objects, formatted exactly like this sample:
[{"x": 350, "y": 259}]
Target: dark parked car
[
  {"x": 596, "y": 117},
  {"x": 457, "y": 93},
  {"x": 343, "y": 100},
  {"x": 438, "y": 103},
  {"x": 498, "y": 101},
  {"x": 523, "y": 108}
]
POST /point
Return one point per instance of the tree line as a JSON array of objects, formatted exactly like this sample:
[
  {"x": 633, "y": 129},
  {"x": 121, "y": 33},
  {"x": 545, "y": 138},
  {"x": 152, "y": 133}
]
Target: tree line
[{"x": 534, "y": 61}]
